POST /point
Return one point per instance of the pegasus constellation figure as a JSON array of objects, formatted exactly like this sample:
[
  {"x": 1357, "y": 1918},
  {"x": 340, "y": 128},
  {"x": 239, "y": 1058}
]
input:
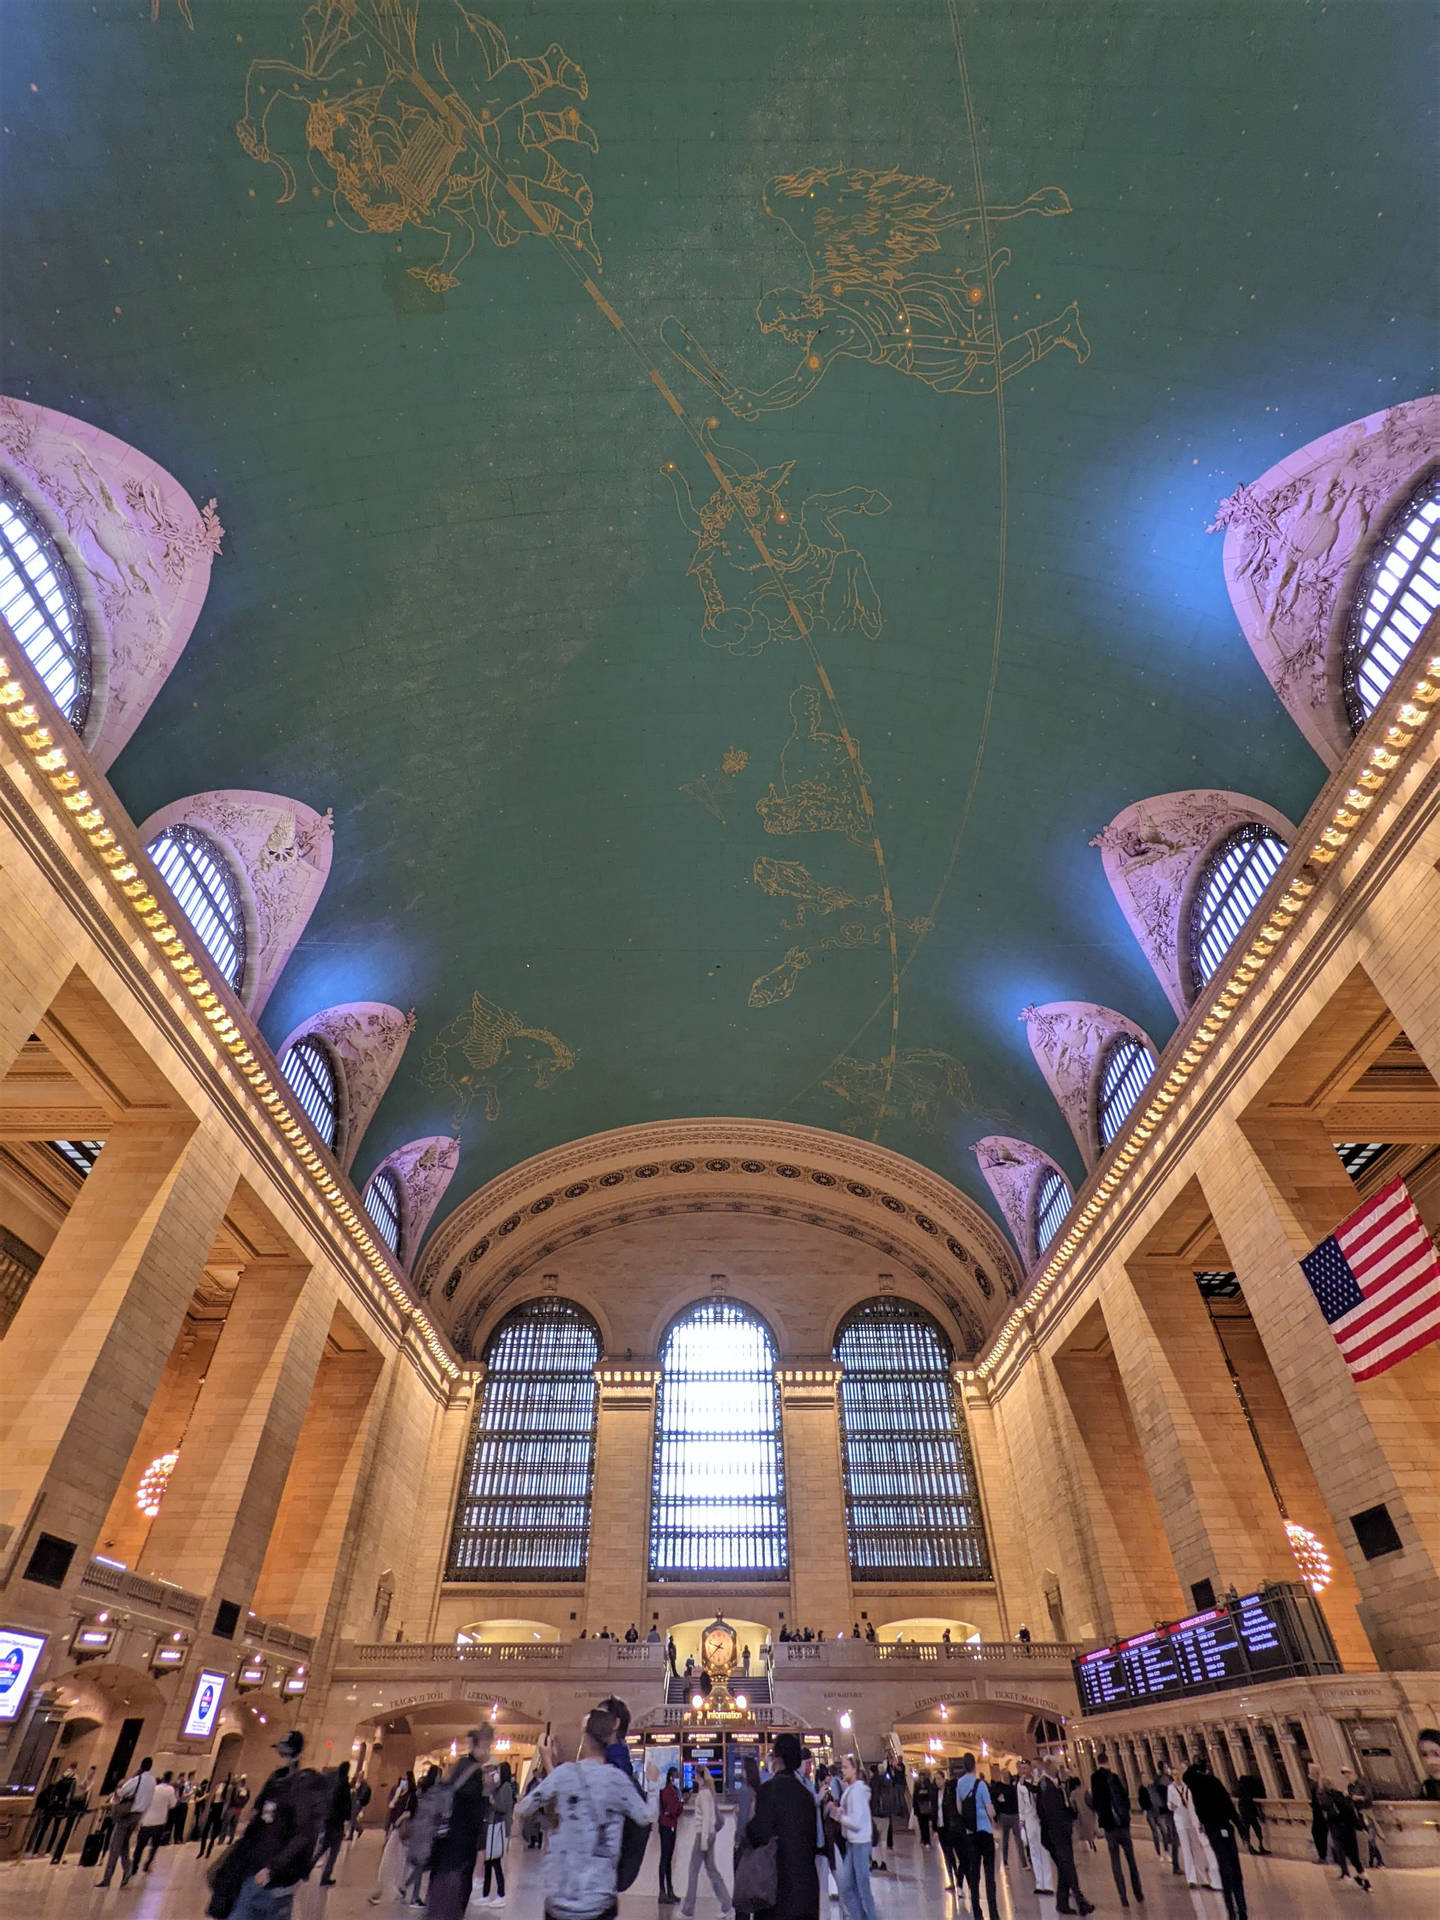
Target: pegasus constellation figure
[
  {"x": 863, "y": 235},
  {"x": 474, "y": 1055},
  {"x": 451, "y": 135}
]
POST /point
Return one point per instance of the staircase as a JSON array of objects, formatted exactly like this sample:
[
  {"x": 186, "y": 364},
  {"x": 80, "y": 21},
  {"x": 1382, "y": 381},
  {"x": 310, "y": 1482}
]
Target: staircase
[{"x": 756, "y": 1690}]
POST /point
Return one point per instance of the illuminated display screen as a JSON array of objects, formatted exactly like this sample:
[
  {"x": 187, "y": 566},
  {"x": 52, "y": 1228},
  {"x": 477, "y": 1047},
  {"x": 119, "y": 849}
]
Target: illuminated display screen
[
  {"x": 204, "y": 1706},
  {"x": 19, "y": 1654},
  {"x": 1279, "y": 1630}
]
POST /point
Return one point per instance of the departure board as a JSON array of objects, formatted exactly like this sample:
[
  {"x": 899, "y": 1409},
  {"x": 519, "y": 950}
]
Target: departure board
[{"x": 1259, "y": 1636}]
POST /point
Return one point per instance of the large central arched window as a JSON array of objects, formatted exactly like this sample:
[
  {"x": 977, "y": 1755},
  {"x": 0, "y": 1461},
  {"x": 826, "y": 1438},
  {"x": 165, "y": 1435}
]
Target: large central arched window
[
  {"x": 718, "y": 1509},
  {"x": 911, "y": 1504},
  {"x": 524, "y": 1508}
]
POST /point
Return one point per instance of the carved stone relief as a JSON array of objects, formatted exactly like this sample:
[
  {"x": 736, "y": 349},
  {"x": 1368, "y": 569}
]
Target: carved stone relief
[
  {"x": 367, "y": 1038},
  {"x": 137, "y": 545},
  {"x": 1294, "y": 541},
  {"x": 424, "y": 1169},
  {"x": 1152, "y": 850},
  {"x": 1068, "y": 1039},
  {"x": 1012, "y": 1170},
  {"x": 281, "y": 850}
]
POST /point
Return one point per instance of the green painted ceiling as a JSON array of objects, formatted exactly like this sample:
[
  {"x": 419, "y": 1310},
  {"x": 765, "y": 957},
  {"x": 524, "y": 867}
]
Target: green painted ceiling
[{"x": 610, "y": 772}]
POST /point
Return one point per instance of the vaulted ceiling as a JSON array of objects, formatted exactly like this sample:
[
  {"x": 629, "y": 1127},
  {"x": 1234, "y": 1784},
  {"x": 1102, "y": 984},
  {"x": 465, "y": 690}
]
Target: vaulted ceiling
[{"x": 716, "y": 495}]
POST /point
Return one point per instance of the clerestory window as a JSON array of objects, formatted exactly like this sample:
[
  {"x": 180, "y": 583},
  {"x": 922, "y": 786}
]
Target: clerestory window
[
  {"x": 1229, "y": 889},
  {"x": 41, "y": 606},
  {"x": 1052, "y": 1203},
  {"x": 310, "y": 1072},
  {"x": 382, "y": 1203},
  {"x": 1125, "y": 1073},
  {"x": 1398, "y": 595},
  {"x": 206, "y": 891}
]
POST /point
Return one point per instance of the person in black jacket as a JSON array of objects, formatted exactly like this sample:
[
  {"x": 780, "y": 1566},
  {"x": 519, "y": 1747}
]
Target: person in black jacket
[
  {"x": 1057, "y": 1821},
  {"x": 458, "y": 1844},
  {"x": 1110, "y": 1797},
  {"x": 785, "y": 1813},
  {"x": 273, "y": 1855},
  {"x": 925, "y": 1800},
  {"x": 1215, "y": 1811},
  {"x": 337, "y": 1819}
]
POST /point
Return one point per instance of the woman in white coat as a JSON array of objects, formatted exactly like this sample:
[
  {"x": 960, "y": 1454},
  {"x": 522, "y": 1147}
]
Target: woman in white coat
[
  {"x": 1040, "y": 1862},
  {"x": 1197, "y": 1862},
  {"x": 707, "y": 1826}
]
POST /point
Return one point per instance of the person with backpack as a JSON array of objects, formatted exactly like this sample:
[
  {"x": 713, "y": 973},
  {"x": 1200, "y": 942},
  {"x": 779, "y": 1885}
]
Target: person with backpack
[
  {"x": 1110, "y": 1798},
  {"x": 257, "y": 1879},
  {"x": 415, "y": 1867},
  {"x": 591, "y": 1803},
  {"x": 977, "y": 1818},
  {"x": 361, "y": 1800},
  {"x": 923, "y": 1800},
  {"x": 450, "y": 1827},
  {"x": 497, "y": 1836},
  {"x": 954, "y": 1842},
  {"x": 130, "y": 1801},
  {"x": 337, "y": 1818}
]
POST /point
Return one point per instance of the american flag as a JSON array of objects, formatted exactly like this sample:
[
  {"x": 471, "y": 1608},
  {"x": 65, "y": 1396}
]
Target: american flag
[{"x": 1377, "y": 1281}]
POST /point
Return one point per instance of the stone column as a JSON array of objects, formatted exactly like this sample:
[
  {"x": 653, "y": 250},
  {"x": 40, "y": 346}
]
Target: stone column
[
  {"x": 815, "y": 1494},
  {"x": 1273, "y": 1199},
  {"x": 86, "y": 1351},
  {"x": 439, "y": 1497},
  {"x": 1265, "y": 1760},
  {"x": 1010, "y": 1563},
  {"x": 215, "y": 1520},
  {"x": 619, "y": 1569},
  {"x": 1219, "y": 1513}
]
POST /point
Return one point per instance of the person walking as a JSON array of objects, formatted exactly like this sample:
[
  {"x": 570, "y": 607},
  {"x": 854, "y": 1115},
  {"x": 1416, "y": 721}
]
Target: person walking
[
  {"x": 1215, "y": 1811},
  {"x": 1110, "y": 1797},
  {"x": 1057, "y": 1821},
  {"x": 1198, "y": 1863},
  {"x": 1342, "y": 1822},
  {"x": 497, "y": 1836},
  {"x": 456, "y": 1844},
  {"x": 857, "y": 1825},
  {"x": 670, "y": 1656},
  {"x": 1040, "y": 1864},
  {"x": 207, "y": 1831},
  {"x": 1319, "y": 1825},
  {"x": 51, "y": 1804},
  {"x": 236, "y": 1801},
  {"x": 1249, "y": 1792},
  {"x": 954, "y": 1845},
  {"x": 924, "y": 1801},
  {"x": 155, "y": 1821},
  {"x": 977, "y": 1818},
  {"x": 393, "y": 1872},
  {"x": 416, "y": 1865},
  {"x": 785, "y": 1813},
  {"x": 257, "y": 1879},
  {"x": 1004, "y": 1798},
  {"x": 360, "y": 1800},
  {"x": 131, "y": 1800},
  {"x": 77, "y": 1802},
  {"x": 671, "y": 1808},
  {"x": 1362, "y": 1794},
  {"x": 591, "y": 1803},
  {"x": 702, "y": 1854},
  {"x": 337, "y": 1818}
]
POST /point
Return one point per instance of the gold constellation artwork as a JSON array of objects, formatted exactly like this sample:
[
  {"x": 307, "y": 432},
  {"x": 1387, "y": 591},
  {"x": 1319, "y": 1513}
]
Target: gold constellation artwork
[
  {"x": 477, "y": 1054},
  {"x": 446, "y": 132},
  {"x": 864, "y": 235}
]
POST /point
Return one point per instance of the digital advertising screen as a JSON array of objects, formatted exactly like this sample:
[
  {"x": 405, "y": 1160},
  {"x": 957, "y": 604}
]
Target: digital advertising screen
[
  {"x": 19, "y": 1655},
  {"x": 204, "y": 1706}
]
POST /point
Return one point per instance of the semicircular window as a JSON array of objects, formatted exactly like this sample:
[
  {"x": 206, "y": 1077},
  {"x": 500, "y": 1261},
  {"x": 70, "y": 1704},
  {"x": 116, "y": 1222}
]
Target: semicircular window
[
  {"x": 524, "y": 1507},
  {"x": 42, "y": 608},
  {"x": 206, "y": 892},
  {"x": 1052, "y": 1203},
  {"x": 310, "y": 1071},
  {"x": 911, "y": 1504},
  {"x": 1124, "y": 1075},
  {"x": 382, "y": 1202},
  {"x": 1230, "y": 888},
  {"x": 1398, "y": 595},
  {"x": 718, "y": 1507}
]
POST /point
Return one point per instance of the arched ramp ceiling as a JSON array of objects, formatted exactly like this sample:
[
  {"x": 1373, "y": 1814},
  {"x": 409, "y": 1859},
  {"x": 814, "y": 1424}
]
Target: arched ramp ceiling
[{"x": 652, "y": 809}]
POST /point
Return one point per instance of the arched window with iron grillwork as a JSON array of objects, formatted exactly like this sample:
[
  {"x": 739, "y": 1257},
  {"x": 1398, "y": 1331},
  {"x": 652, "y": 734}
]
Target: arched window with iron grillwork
[
  {"x": 206, "y": 891},
  {"x": 524, "y": 1507},
  {"x": 912, "y": 1507},
  {"x": 1125, "y": 1071},
  {"x": 312, "y": 1077},
  {"x": 41, "y": 606},
  {"x": 1398, "y": 595},
  {"x": 718, "y": 1504},
  {"x": 1052, "y": 1202},
  {"x": 1230, "y": 887},
  {"x": 382, "y": 1203}
]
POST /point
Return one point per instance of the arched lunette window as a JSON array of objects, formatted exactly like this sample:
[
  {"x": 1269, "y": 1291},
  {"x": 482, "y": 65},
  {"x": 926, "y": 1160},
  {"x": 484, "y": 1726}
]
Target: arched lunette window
[
  {"x": 1052, "y": 1203},
  {"x": 206, "y": 892},
  {"x": 1125, "y": 1072},
  {"x": 382, "y": 1203},
  {"x": 1398, "y": 595},
  {"x": 310, "y": 1072},
  {"x": 718, "y": 1505},
  {"x": 1229, "y": 889},
  {"x": 911, "y": 1504},
  {"x": 42, "y": 608},
  {"x": 524, "y": 1508}
]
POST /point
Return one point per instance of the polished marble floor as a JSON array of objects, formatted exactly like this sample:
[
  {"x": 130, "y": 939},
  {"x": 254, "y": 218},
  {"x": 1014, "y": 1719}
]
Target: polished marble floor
[{"x": 912, "y": 1890}]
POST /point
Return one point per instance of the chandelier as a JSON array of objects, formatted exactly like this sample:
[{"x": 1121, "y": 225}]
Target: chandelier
[
  {"x": 1310, "y": 1557},
  {"x": 153, "y": 1482}
]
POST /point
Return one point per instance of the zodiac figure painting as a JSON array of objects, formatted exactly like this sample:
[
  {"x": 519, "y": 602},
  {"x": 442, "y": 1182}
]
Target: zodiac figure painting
[
  {"x": 770, "y": 572},
  {"x": 477, "y": 1053},
  {"x": 864, "y": 924},
  {"x": 713, "y": 793},
  {"x": 922, "y": 1086},
  {"x": 449, "y": 134},
  {"x": 863, "y": 235},
  {"x": 819, "y": 790}
]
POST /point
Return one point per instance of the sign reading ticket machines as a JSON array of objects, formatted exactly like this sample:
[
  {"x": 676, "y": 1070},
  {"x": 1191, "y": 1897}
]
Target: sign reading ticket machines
[
  {"x": 204, "y": 1706},
  {"x": 19, "y": 1655}
]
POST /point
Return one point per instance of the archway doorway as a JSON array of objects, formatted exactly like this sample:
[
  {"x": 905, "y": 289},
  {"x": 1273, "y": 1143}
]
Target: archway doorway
[
  {"x": 927, "y": 1627},
  {"x": 508, "y": 1633}
]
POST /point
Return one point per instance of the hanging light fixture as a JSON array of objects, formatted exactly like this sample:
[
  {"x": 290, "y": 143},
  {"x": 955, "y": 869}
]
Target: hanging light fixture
[
  {"x": 153, "y": 1482},
  {"x": 1310, "y": 1557}
]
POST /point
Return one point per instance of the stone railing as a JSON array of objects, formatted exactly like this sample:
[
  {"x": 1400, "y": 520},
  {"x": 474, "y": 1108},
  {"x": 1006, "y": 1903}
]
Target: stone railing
[
  {"x": 583, "y": 1656},
  {"x": 118, "y": 1586},
  {"x": 795, "y": 1654}
]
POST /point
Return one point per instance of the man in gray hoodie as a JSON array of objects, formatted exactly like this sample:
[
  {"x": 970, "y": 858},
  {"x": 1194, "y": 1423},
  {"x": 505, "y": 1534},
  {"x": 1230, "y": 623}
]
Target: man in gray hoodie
[{"x": 591, "y": 1802}]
